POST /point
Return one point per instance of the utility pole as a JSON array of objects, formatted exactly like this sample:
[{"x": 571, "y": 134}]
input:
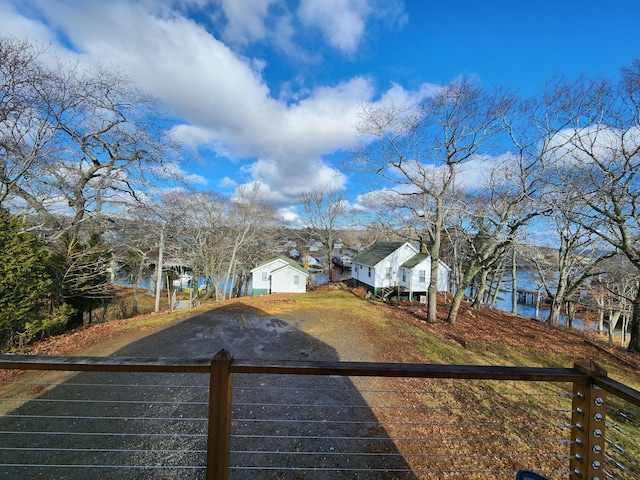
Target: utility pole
[{"x": 159, "y": 279}]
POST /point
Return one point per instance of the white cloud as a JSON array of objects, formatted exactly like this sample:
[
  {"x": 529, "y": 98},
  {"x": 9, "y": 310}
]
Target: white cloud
[
  {"x": 478, "y": 172},
  {"x": 192, "y": 135},
  {"x": 12, "y": 23},
  {"x": 583, "y": 146},
  {"x": 341, "y": 21},
  {"x": 219, "y": 96},
  {"x": 245, "y": 20},
  {"x": 286, "y": 189},
  {"x": 227, "y": 182},
  {"x": 289, "y": 215}
]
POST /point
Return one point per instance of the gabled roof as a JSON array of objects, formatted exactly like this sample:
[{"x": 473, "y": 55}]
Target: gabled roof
[
  {"x": 289, "y": 261},
  {"x": 377, "y": 252},
  {"x": 419, "y": 258},
  {"x": 295, "y": 267},
  {"x": 415, "y": 260}
]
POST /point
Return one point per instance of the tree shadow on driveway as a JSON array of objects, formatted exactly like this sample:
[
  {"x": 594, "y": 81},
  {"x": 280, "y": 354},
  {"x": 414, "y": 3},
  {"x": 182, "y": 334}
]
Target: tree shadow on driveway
[{"x": 153, "y": 425}]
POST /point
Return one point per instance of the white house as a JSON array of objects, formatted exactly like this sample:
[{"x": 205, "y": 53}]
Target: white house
[
  {"x": 377, "y": 266},
  {"x": 280, "y": 275},
  {"x": 397, "y": 265},
  {"x": 414, "y": 275}
]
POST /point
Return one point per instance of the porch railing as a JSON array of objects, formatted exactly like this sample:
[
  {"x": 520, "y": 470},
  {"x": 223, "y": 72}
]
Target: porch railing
[{"x": 347, "y": 420}]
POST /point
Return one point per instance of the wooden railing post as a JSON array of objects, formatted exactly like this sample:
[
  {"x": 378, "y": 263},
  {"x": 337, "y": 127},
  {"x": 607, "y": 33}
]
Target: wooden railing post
[
  {"x": 588, "y": 419},
  {"x": 219, "y": 431}
]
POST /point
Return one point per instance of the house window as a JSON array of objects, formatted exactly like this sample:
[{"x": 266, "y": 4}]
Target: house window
[
  {"x": 422, "y": 276},
  {"x": 369, "y": 271},
  {"x": 388, "y": 272},
  {"x": 296, "y": 279},
  {"x": 404, "y": 275},
  {"x": 265, "y": 276}
]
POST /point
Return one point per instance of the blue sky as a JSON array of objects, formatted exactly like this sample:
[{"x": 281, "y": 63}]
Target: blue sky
[{"x": 269, "y": 90}]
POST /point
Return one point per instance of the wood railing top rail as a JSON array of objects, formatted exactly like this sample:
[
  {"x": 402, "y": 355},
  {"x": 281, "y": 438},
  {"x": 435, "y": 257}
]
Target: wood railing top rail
[
  {"x": 291, "y": 367},
  {"x": 417, "y": 370},
  {"x": 106, "y": 364},
  {"x": 298, "y": 367},
  {"x": 619, "y": 389}
]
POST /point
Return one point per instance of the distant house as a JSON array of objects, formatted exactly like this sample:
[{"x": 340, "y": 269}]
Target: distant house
[
  {"x": 342, "y": 261},
  {"x": 314, "y": 245},
  {"x": 279, "y": 275},
  {"x": 309, "y": 261},
  {"x": 398, "y": 267}
]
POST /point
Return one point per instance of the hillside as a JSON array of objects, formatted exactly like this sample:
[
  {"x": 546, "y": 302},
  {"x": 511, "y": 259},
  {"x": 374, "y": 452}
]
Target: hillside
[{"x": 482, "y": 336}]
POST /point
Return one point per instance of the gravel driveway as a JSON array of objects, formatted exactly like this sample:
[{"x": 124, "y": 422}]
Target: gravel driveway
[{"x": 153, "y": 426}]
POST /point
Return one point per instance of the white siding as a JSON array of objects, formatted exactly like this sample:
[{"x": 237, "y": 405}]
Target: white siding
[
  {"x": 260, "y": 281},
  {"x": 377, "y": 277},
  {"x": 443, "y": 278},
  {"x": 266, "y": 278},
  {"x": 413, "y": 277},
  {"x": 284, "y": 281}
]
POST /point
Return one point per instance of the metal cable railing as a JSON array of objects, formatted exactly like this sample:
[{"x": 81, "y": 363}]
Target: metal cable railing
[
  {"x": 158, "y": 418},
  {"x": 622, "y": 438},
  {"x": 105, "y": 425},
  {"x": 331, "y": 425}
]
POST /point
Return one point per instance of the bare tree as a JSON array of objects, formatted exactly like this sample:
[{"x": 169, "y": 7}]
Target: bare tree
[
  {"x": 136, "y": 247},
  {"x": 249, "y": 224},
  {"x": 81, "y": 273},
  {"x": 25, "y": 122},
  {"x": 323, "y": 210},
  {"x": 75, "y": 141},
  {"x": 218, "y": 236},
  {"x": 600, "y": 161},
  {"x": 205, "y": 229},
  {"x": 419, "y": 150},
  {"x": 614, "y": 292},
  {"x": 376, "y": 213},
  {"x": 577, "y": 256},
  {"x": 493, "y": 216}
]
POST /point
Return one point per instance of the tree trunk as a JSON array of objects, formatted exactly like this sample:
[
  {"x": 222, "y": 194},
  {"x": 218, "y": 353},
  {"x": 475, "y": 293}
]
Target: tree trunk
[
  {"x": 614, "y": 316},
  {"x": 330, "y": 260},
  {"x": 514, "y": 284},
  {"x": 554, "y": 312},
  {"x": 432, "y": 313},
  {"x": 482, "y": 288},
  {"x": 571, "y": 310},
  {"x": 600, "y": 316},
  {"x": 634, "y": 342},
  {"x": 465, "y": 281},
  {"x": 455, "y": 306},
  {"x": 136, "y": 288},
  {"x": 495, "y": 287},
  {"x": 136, "y": 295},
  {"x": 559, "y": 301}
]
